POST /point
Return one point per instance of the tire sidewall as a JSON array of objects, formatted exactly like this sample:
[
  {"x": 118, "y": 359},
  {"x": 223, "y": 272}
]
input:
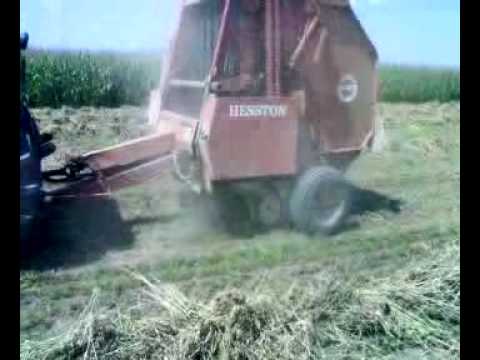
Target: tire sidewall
[{"x": 305, "y": 193}]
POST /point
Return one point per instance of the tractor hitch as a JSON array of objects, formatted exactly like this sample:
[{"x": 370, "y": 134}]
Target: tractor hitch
[{"x": 112, "y": 169}]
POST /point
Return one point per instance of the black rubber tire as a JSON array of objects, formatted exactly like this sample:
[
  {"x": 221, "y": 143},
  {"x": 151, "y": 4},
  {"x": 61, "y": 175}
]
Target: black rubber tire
[{"x": 305, "y": 194}]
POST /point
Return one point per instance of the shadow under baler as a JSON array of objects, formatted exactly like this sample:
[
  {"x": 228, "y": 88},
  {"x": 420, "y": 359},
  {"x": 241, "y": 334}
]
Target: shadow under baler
[
  {"x": 78, "y": 231},
  {"x": 74, "y": 232}
]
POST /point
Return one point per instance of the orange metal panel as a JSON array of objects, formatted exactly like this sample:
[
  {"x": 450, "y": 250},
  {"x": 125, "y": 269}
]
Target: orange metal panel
[
  {"x": 251, "y": 137},
  {"x": 140, "y": 174},
  {"x": 131, "y": 152}
]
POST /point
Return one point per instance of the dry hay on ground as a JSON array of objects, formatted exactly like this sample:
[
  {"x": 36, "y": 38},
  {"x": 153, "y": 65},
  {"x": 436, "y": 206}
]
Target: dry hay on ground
[{"x": 413, "y": 313}]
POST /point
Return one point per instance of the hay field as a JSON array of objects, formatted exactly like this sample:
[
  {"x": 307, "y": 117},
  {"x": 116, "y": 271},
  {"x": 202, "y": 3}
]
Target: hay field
[{"x": 167, "y": 284}]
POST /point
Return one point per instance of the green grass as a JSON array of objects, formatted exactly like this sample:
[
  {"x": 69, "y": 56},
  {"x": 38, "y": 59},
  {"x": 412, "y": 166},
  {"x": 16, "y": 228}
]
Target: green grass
[{"x": 107, "y": 79}]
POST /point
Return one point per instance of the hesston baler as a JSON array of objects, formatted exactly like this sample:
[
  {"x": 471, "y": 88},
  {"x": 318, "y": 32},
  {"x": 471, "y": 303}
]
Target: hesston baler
[{"x": 262, "y": 104}]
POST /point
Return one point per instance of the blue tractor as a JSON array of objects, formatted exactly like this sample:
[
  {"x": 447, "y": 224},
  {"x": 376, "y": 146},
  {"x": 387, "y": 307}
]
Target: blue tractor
[{"x": 33, "y": 148}]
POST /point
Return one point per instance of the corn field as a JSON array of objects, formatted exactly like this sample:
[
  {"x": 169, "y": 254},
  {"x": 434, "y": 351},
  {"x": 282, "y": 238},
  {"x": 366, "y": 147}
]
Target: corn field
[
  {"x": 107, "y": 79},
  {"x": 89, "y": 79},
  {"x": 419, "y": 84}
]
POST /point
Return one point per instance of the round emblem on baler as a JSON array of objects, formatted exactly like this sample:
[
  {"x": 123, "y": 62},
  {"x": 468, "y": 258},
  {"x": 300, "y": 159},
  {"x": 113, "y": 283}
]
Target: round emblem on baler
[{"x": 347, "y": 90}]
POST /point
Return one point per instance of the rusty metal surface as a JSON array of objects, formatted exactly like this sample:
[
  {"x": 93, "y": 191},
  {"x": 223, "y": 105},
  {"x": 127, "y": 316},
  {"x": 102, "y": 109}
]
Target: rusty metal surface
[
  {"x": 134, "y": 162},
  {"x": 262, "y": 144},
  {"x": 84, "y": 188},
  {"x": 191, "y": 57},
  {"x": 221, "y": 39},
  {"x": 318, "y": 87},
  {"x": 312, "y": 25},
  {"x": 344, "y": 26},
  {"x": 140, "y": 174},
  {"x": 341, "y": 125},
  {"x": 269, "y": 47},
  {"x": 128, "y": 164},
  {"x": 341, "y": 3},
  {"x": 336, "y": 50},
  {"x": 273, "y": 41},
  {"x": 115, "y": 179},
  {"x": 277, "y": 18},
  {"x": 181, "y": 127},
  {"x": 130, "y": 152},
  {"x": 316, "y": 48}
]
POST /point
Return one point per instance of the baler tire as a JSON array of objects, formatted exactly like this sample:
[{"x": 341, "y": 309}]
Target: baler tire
[{"x": 303, "y": 207}]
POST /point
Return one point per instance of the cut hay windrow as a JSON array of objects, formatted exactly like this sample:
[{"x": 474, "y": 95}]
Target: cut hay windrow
[{"x": 414, "y": 312}]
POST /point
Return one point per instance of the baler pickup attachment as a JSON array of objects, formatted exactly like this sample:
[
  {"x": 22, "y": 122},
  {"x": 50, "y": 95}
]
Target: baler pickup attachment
[{"x": 114, "y": 168}]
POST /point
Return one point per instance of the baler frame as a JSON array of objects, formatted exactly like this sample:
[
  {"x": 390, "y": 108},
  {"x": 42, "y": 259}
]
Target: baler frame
[{"x": 280, "y": 123}]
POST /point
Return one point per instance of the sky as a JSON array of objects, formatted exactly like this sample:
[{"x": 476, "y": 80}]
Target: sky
[{"x": 412, "y": 32}]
